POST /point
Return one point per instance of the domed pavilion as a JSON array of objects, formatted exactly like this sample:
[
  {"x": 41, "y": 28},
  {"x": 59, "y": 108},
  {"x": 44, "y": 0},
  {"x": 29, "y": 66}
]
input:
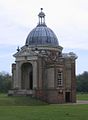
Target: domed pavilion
[{"x": 41, "y": 70}]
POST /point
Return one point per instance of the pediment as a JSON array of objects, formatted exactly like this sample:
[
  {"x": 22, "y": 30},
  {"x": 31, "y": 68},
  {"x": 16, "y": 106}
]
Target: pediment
[{"x": 25, "y": 52}]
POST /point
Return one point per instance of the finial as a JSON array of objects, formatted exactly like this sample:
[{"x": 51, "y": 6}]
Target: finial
[
  {"x": 41, "y": 9},
  {"x": 18, "y": 49}
]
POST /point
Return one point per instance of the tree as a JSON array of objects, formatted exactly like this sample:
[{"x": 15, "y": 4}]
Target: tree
[
  {"x": 82, "y": 82},
  {"x": 5, "y": 82}
]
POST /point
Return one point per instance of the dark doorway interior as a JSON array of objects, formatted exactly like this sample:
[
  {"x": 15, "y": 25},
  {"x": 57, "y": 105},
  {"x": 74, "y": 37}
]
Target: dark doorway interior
[
  {"x": 67, "y": 97},
  {"x": 26, "y": 76},
  {"x": 31, "y": 80}
]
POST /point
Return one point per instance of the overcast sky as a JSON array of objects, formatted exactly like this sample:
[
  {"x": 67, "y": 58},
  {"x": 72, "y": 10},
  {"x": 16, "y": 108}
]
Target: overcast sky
[{"x": 67, "y": 18}]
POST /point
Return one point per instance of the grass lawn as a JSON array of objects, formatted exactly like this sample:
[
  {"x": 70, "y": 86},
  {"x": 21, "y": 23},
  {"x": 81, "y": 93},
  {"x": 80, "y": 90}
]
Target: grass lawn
[
  {"x": 21, "y": 108},
  {"x": 81, "y": 96},
  {"x": 48, "y": 112},
  {"x": 19, "y": 101}
]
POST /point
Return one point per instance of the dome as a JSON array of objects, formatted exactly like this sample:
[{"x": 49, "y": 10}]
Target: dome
[{"x": 41, "y": 34}]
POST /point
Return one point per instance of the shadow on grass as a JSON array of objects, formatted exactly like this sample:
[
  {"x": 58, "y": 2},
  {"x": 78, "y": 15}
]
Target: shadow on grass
[{"x": 6, "y": 100}]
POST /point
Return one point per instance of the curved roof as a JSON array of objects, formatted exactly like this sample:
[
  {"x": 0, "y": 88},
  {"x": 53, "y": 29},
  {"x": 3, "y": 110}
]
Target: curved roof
[{"x": 42, "y": 35}]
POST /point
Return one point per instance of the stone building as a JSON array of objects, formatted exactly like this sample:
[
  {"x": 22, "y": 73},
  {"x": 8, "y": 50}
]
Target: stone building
[{"x": 42, "y": 70}]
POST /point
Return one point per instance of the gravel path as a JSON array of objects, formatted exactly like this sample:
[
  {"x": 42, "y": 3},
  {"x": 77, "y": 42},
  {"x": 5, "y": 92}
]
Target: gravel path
[{"x": 82, "y": 102}]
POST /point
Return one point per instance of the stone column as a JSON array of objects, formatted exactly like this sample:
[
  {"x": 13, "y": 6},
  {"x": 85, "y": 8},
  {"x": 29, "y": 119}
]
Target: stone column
[
  {"x": 73, "y": 82},
  {"x": 34, "y": 74},
  {"x": 18, "y": 75},
  {"x": 13, "y": 75}
]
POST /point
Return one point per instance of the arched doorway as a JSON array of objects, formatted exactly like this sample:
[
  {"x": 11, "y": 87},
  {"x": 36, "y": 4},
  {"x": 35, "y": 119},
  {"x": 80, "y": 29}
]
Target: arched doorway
[{"x": 27, "y": 76}]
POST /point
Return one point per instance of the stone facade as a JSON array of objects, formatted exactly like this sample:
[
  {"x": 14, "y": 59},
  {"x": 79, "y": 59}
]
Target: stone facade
[{"x": 43, "y": 71}]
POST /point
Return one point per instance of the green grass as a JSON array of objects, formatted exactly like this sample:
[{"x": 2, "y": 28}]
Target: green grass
[
  {"x": 19, "y": 101},
  {"x": 27, "y": 108},
  {"x": 81, "y": 96},
  {"x": 49, "y": 112}
]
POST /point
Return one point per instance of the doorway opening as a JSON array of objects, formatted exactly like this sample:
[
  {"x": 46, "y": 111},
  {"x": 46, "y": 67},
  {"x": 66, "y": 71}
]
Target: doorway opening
[
  {"x": 31, "y": 80},
  {"x": 67, "y": 97},
  {"x": 27, "y": 76}
]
